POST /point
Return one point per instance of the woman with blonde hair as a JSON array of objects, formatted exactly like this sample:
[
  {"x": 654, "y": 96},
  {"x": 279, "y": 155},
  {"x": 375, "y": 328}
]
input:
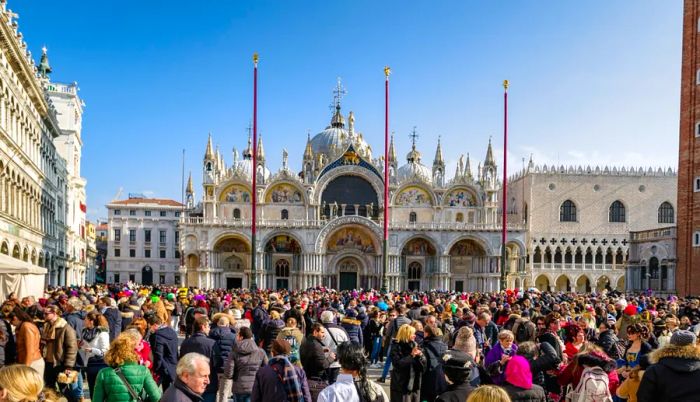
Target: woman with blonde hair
[
  {"x": 409, "y": 363},
  {"x": 124, "y": 377},
  {"x": 20, "y": 383},
  {"x": 489, "y": 393}
]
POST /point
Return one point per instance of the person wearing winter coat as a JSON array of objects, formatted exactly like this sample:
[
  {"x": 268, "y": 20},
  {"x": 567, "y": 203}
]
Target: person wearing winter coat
[
  {"x": 629, "y": 387},
  {"x": 433, "y": 381},
  {"x": 163, "y": 341},
  {"x": 280, "y": 380},
  {"x": 108, "y": 308},
  {"x": 260, "y": 318},
  {"x": 457, "y": 367},
  {"x": 270, "y": 330},
  {"x": 518, "y": 382},
  {"x": 674, "y": 373},
  {"x": 224, "y": 341},
  {"x": 542, "y": 358},
  {"x": 200, "y": 343},
  {"x": 61, "y": 345},
  {"x": 352, "y": 326},
  {"x": 192, "y": 379},
  {"x": 408, "y": 363},
  {"x": 109, "y": 387},
  {"x": 27, "y": 339},
  {"x": 243, "y": 364},
  {"x": 94, "y": 346},
  {"x": 593, "y": 357},
  {"x": 497, "y": 359},
  {"x": 334, "y": 336},
  {"x": 292, "y": 334},
  {"x": 607, "y": 339}
]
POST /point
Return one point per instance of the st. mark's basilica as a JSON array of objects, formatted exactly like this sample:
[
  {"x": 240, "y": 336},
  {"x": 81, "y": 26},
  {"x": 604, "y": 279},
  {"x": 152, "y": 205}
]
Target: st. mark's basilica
[{"x": 569, "y": 227}]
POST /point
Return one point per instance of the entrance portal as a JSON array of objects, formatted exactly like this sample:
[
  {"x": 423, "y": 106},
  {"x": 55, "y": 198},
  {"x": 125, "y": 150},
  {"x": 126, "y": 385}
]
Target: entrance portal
[
  {"x": 348, "y": 281},
  {"x": 147, "y": 276},
  {"x": 234, "y": 283}
]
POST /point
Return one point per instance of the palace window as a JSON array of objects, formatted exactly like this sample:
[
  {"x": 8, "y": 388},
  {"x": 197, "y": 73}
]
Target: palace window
[
  {"x": 132, "y": 235},
  {"x": 147, "y": 235},
  {"x": 236, "y": 213},
  {"x": 414, "y": 271},
  {"x": 117, "y": 212},
  {"x": 132, "y": 212},
  {"x": 412, "y": 217},
  {"x": 617, "y": 212},
  {"x": 162, "y": 253},
  {"x": 567, "y": 211},
  {"x": 132, "y": 253},
  {"x": 666, "y": 213},
  {"x": 117, "y": 252},
  {"x": 147, "y": 253},
  {"x": 162, "y": 236},
  {"x": 696, "y": 239},
  {"x": 163, "y": 213},
  {"x": 147, "y": 213},
  {"x": 284, "y": 214},
  {"x": 117, "y": 235},
  {"x": 282, "y": 268}
]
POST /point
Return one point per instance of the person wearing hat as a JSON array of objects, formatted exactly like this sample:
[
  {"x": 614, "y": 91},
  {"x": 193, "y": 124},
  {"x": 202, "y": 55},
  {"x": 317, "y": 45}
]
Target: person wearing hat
[
  {"x": 352, "y": 326},
  {"x": 674, "y": 374},
  {"x": 457, "y": 367},
  {"x": 518, "y": 382}
]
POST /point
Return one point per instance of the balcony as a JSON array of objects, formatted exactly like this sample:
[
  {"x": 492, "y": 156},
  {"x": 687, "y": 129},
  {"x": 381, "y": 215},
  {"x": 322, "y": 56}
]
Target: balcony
[{"x": 654, "y": 234}]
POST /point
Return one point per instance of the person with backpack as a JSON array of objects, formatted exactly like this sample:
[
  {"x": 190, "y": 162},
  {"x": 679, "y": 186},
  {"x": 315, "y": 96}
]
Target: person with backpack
[
  {"x": 292, "y": 334},
  {"x": 518, "y": 382},
  {"x": 280, "y": 380},
  {"x": 458, "y": 367},
  {"x": 524, "y": 329},
  {"x": 352, "y": 384},
  {"x": 433, "y": 382},
  {"x": 333, "y": 337},
  {"x": 591, "y": 374}
]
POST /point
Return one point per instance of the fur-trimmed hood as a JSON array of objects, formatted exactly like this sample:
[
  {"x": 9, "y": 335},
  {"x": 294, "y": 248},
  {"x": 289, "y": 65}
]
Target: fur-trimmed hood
[{"x": 677, "y": 358}]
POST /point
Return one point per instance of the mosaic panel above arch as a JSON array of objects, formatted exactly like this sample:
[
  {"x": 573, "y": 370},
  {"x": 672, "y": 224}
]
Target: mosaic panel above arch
[
  {"x": 284, "y": 193},
  {"x": 352, "y": 238},
  {"x": 283, "y": 244},
  {"x": 235, "y": 193},
  {"x": 413, "y": 196},
  {"x": 418, "y": 246},
  {"x": 460, "y": 197}
]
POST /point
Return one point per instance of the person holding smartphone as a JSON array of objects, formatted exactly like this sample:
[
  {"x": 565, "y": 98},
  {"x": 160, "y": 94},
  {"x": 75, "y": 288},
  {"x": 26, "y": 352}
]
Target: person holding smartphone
[{"x": 499, "y": 355}]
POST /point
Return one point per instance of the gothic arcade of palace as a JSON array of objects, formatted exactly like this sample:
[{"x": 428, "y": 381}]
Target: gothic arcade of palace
[{"x": 323, "y": 225}]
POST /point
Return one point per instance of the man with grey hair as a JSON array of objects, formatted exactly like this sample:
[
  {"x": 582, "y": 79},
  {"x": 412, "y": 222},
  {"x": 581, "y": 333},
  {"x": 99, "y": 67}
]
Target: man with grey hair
[
  {"x": 192, "y": 379},
  {"x": 334, "y": 336}
]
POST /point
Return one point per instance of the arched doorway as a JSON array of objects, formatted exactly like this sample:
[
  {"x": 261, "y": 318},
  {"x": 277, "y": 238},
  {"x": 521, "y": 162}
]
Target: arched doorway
[
  {"x": 542, "y": 283},
  {"x": 232, "y": 255},
  {"x": 603, "y": 283},
  {"x": 563, "y": 284},
  {"x": 192, "y": 264},
  {"x": 282, "y": 259},
  {"x": 348, "y": 269},
  {"x": 147, "y": 275},
  {"x": 583, "y": 284},
  {"x": 621, "y": 284},
  {"x": 468, "y": 259},
  {"x": 418, "y": 257}
]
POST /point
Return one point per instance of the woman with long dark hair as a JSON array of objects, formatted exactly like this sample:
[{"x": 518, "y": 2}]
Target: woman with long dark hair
[
  {"x": 28, "y": 340},
  {"x": 352, "y": 383},
  {"x": 94, "y": 345}
]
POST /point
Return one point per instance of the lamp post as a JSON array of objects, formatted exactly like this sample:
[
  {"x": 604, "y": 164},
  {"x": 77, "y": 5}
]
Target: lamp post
[
  {"x": 254, "y": 172},
  {"x": 385, "y": 241},
  {"x": 504, "y": 271}
]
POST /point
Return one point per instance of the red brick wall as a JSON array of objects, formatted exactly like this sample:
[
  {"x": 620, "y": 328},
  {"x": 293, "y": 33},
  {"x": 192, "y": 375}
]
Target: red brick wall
[{"x": 688, "y": 210}]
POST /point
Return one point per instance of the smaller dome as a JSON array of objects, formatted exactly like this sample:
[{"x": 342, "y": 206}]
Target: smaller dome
[
  {"x": 245, "y": 167},
  {"x": 414, "y": 169}
]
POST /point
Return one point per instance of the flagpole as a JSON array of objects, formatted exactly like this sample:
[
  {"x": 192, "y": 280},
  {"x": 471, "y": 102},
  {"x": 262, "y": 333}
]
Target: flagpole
[
  {"x": 504, "y": 270},
  {"x": 254, "y": 172},
  {"x": 385, "y": 241}
]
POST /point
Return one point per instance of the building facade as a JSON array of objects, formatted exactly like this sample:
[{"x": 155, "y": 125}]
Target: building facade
[
  {"x": 688, "y": 252},
  {"x": 143, "y": 240},
  {"x": 322, "y": 225},
  {"x": 652, "y": 261},
  {"x": 579, "y": 219},
  {"x": 33, "y": 174}
]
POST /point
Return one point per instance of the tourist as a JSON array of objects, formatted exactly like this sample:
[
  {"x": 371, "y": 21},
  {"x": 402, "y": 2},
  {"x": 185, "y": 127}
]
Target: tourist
[
  {"x": 107, "y": 306},
  {"x": 280, "y": 380},
  {"x": 629, "y": 387},
  {"x": 500, "y": 354},
  {"x": 518, "y": 382},
  {"x": 637, "y": 348},
  {"x": 192, "y": 379},
  {"x": 489, "y": 393},
  {"x": 457, "y": 367},
  {"x": 19, "y": 383},
  {"x": 352, "y": 326},
  {"x": 408, "y": 363},
  {"x": 575, "y": 340},
  {"x": 352, "y": 384},
  {"x": 94, "y": 346},
  {"x": 292, "y": 334},
  {"x": 433, "y": 382},
  {"x": 674, "y": 373},
  {"x": 243, "y": 364},
  {"x": 200, "y": 343},
  {"x": 163, "y": 341},
  {"x": 390, "y": 331},
  {"x": 124, "y": 377},
  {"x": 61, "y": 345},
  {"x": 28, "y": 340},
  {"x": 270, "y": 330},
  {"x": 334, "y": 336},
  {"x": 542, "y": 358},
  {"x": 224, "y": 341}
]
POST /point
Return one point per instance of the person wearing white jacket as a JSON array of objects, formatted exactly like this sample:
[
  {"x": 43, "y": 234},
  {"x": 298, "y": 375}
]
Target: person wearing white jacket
[{"x": 94, "y": 346}]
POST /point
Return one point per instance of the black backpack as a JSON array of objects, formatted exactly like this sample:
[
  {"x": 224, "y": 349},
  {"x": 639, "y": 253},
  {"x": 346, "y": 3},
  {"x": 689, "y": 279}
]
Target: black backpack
[{"x": 524, "y": 332}]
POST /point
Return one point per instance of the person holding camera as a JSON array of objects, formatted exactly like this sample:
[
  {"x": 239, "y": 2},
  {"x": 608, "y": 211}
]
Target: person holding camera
[
  {"x": 499, "y": 355},
  {"x": 316, "y": 358},
  {"x": 408, "y": 363}
]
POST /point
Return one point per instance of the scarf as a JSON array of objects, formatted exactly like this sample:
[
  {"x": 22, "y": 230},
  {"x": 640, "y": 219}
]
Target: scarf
[
  {"x": 287, "y": 374},
  {"x": 50, "y": 329},
  {"x": 89, "y": 334}
]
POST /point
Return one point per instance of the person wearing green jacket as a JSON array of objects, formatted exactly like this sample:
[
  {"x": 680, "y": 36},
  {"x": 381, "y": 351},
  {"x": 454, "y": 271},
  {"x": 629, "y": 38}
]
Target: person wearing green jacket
[{"x": 110, "y": 388}]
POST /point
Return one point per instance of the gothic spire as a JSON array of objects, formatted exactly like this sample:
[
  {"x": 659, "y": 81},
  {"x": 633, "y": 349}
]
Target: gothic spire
[
  {"x": 392, "y": 150},
  {"x": 190, "y": 187},
  {"x": 468, "y": 167},
  {"x": 248, "y": 151},
  {"x": 261, "y": 150},
  {"x": 44, "y": 68},
  {"x": 438, "y": 155},
  {"x": 308, "y": 152},
  {"x": 209, "y": 153},
  {"x": 489, "y": 156}
]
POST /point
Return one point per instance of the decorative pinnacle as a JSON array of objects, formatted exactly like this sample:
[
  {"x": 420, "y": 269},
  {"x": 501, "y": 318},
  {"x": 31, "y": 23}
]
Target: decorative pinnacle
[
  {"x": 387, "y": 71},
  {"x": 255, "y": 58},
  {"x": 505, "y": 84}
]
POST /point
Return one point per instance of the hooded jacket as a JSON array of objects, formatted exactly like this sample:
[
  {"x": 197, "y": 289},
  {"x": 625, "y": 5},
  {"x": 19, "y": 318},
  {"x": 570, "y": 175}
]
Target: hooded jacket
[
  {"x": 353, "y": 328},
  {"x": 243, "y": 364},
  {"x": 673, "y": 376}
]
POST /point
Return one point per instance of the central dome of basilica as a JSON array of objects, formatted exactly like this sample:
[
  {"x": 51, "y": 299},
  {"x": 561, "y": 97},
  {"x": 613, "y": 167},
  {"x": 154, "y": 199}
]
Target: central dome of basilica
[{"x": 336, "y": 138}]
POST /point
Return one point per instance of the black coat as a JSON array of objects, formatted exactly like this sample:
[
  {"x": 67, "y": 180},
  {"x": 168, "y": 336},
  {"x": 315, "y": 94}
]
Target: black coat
[
  {"x": 607, "y": 341},
  {"x": 407, "y": 370},
  {"x": 433, "y": 381},
  {"x": 313, "y": 358},
  {"x": 456, "y": 393},
  {"x": 224, "y": 340},
  {"x": 114, "y": 319},
  {"x": 179, "y": 392},
  {"x": 673, "y": 376},
  {"x": 200, "y": 343},
  {"x": 164, "y": 345},
  {"x": 517, "y": 394}
]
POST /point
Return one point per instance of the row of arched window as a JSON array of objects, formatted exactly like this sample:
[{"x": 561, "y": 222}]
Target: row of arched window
[
  {"x": 616, "y": 212},
  {"x": 284, "y": 214}
]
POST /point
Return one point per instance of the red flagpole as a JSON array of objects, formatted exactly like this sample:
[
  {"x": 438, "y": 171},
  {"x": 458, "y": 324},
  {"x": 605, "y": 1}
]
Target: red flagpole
[
  {"x": 254, "y": 172},
  {"x": 385, "y": 256},
  {"x": 504, "y": 273}
]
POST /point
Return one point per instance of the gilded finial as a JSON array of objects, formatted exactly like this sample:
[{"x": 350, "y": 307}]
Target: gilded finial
[
  {"x": 505, "y": 84},
  {"x": 387, "y": 71},
  {"x": 256, "y": 58}
]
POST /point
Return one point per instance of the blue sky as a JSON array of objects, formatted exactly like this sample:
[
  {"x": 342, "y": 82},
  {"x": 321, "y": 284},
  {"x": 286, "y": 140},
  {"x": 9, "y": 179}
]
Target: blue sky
[{"x": 591, "y": 82}]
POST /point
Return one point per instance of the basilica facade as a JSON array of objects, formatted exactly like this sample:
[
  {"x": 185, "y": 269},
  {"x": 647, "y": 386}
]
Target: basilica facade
[{"x": 322, "y": 225}]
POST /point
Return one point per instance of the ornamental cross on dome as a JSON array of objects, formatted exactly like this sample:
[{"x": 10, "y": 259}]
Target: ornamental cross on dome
[
  {"x": 338, "y": 93},
  {"x": 414, "y": 136}
]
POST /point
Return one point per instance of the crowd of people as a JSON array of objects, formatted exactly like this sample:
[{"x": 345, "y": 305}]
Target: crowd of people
[{"x": 122, "y": 343}]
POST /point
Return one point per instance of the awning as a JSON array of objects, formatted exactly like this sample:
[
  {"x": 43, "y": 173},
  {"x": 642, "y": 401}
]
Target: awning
[{"x": 20, "y": 277}]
